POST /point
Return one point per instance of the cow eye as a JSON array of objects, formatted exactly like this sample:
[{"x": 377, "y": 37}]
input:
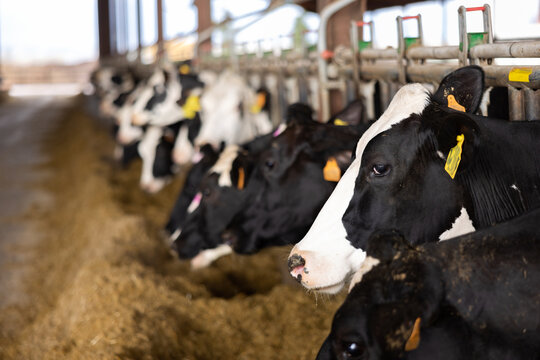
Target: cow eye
[
  {"x": 270, "y": 163},
  {"x": 381, "y": 169},
  {"x": 206, "y": 192},
  {"x": 353, "y": 350}
]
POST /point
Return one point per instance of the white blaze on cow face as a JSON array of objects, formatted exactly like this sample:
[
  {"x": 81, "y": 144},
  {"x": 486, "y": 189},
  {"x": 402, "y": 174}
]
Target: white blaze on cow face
[
  {"x": 206, "y": 257},
  {"x": 223, "y": 165},
  {"x": 183, "y": 150},
  {"x": 328, "y": 257}
]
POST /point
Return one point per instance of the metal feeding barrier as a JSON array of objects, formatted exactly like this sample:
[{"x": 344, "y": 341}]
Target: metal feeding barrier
[{"x": 349, "y": 69}]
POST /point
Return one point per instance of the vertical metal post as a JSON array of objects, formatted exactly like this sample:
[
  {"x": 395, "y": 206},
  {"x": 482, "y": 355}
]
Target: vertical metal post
[
  {"x": 515, "y": 102},
  {"x": 113, "y": 27},
  {"x": 139, "y": 31},
  {"x": 463, "y": 39},
  {"x": 160, "y": 44},
  {"x": 532, "y": 104},
  {"x": 325, "y": 15}
]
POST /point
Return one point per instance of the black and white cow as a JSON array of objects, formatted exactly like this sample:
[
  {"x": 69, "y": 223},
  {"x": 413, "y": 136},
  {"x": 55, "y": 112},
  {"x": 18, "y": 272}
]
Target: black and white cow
[
  {"x": 471, "y": 297},
  {"x": 209, "y": 156},
  {"x": 281, "y": 189},
  {"x": 398, "y": 179},
  {"x": 232, "y": 112}
]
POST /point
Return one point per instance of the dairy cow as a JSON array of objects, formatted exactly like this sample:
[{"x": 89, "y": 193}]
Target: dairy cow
[
  {"x": 281, "y": 188},
  {"x": 471, "y": 297},
  {"x": 398, "y": 179}
]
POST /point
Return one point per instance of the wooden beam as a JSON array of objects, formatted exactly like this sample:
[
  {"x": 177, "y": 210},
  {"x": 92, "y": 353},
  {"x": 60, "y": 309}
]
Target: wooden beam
[
  {"x": 204, "y": 16},
  {"x": 104, "y": 29}
]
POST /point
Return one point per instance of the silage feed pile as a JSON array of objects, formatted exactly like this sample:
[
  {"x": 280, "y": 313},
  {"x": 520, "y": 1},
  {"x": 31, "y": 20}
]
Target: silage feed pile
[{"x": 104, "y": 285}]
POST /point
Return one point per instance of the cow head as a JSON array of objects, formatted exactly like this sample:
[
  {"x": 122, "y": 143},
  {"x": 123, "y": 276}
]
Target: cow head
[
  {"x": 221, "y": 194},
  {"x": 385, "y": 186},
  {"x": 386, "y": 315},
  {"x": 231, "y": 184},
  {"x": 290, "y": 185}
]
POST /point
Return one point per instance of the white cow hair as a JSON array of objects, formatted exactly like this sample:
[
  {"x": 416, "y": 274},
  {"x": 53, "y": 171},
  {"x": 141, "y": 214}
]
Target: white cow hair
[
  {"x": 368, "y": 264},
  {"x": 461, "y": 226},
  {"x": 221, "y": 117},
  {"x": 182, "y": 150},
  {"x": 367, "y": 91},
  {"x": 223, "y": 165},
  {"x": 147, "y": 151},
  {"x": 327, "y": 235},
  {"x": 206, "y": 257},
  {"x": 485, "y": 101}
]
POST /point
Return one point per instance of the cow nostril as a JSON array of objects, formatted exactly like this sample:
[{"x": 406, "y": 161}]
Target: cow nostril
[{"x": 295, "y": 261}]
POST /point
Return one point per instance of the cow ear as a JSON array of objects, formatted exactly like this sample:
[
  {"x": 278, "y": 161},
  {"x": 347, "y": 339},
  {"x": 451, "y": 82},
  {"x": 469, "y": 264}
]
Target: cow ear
[
  {"x": 458, "y": 139},
  {"x": 353, "y": 114},
  {"x": 299, "y": 114},
  {"x": 462, "y": 89}
]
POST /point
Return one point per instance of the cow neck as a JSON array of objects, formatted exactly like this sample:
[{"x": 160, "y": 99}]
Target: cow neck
[{"x": 504, "y": 181}]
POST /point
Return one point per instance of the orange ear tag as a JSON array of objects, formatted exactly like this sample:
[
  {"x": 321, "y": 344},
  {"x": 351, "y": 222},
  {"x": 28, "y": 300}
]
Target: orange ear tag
[
  {"x": 453, "y": 104},
  {"x": 331, "y": 170},
  {"x": 259, "y": 103},
  {"x": 241, "y": 177},
  {"x": 414, "y": 339}
]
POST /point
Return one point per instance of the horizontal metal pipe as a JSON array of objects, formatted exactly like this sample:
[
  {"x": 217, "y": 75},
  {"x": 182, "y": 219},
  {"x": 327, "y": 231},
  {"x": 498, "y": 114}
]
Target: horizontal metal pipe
[
  {"x": 379, "y": 54},
  {"x": 494, "y": 75},
  {"x": 506, "y": 50},
  {"x": 433, "y": 52}
]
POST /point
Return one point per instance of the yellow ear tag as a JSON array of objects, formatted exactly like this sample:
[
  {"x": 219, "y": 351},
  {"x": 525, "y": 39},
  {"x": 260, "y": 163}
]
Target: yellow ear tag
[
  {"x": 259, "y": 103},
  {"x": 454, "y": 157},
  {"x": 331, "y": 170},
  {"x": 184, "y": 69},
  {"x": 414, "y": 339},
  {"x": 339, "y": 122},
  {"x": 453, "y": 104},
  {"x": 191, "y": 106},
  {"x": 241, "y": 178}
]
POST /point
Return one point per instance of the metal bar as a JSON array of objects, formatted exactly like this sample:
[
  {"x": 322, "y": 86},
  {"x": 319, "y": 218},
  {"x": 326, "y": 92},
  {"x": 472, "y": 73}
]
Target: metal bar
[
  {"x": 433, "y": 52},
  {"x": 463, "y": 39},
  {"x": 515, "y": 102},
  {"x": 139, "y": 31},
  {"x": 325, "y": 15},
  {"x": 520, "y": 49},
  {"x": 494, "y": 75},
  {"x": 531, "y": 104},
  {"x": 160, "y": 44},
  {"x": 478, "y": 8},
  {"x": 379, "y": 54}
]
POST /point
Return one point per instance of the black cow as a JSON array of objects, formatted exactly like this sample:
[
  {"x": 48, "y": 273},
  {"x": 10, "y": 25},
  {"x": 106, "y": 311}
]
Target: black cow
[
  {"x": 471, "y": 297},
  {"x": 399, "y": 179},
  {"x": 284, "y": 188}
]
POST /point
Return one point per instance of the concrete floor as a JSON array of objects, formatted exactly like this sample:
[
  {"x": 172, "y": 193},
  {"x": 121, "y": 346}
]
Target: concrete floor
[{"x": 24, "y": 124}]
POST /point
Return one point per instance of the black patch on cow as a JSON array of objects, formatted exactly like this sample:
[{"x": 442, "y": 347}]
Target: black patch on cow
[
  {"x": 117, "y": 79},
  {"x": 191, "y": 185},
  {"x": 160, "y": 93}
]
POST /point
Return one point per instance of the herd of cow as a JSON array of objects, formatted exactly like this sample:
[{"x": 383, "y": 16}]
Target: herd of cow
[{"x": 366, "y": 202}]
